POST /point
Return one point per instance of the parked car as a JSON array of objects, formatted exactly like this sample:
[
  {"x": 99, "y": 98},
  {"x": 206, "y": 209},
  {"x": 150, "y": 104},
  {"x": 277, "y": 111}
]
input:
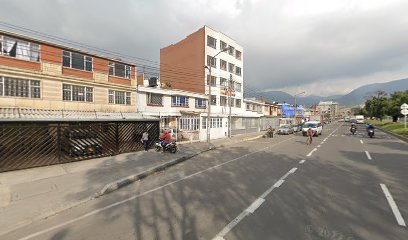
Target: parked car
[
  {"x": 285, "y": 129},
  {"x": 316, "y": 127},
  {"x": 77, "y": 143}
]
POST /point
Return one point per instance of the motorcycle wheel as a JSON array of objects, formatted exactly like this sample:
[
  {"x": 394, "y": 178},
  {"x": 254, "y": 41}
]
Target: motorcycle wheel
[{"x": 173, "y": 150}]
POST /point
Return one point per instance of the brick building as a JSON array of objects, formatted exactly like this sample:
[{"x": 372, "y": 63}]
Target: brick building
[{"x": 43, "y": 75}]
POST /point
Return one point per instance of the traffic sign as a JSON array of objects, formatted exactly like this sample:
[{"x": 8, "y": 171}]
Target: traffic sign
[
  {"x": 404, "y": 111},
  {"x": 404, "y": 106}
]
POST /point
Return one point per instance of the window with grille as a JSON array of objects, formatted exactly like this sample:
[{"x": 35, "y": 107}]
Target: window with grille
[
  {"x": 77, "y": 61},
  {"x": 15, "y": 87},
  {"x": 119, "y": 70},
  {"x": 200, "y": 102},
  {"x": 211, "y": 61},
  {"x": 231, "y": 50},
  {"x": 238, "y": 87},
  {"x": 223, "y": 101},
  {"x": 179, "y": 101},
  {"x": 223, "y": 65},
  {"x": 231, "y": 67},
  {"x": 238, "y": 103},
  {"x": 213, "y": 80},
  {"x": 21, "y": 49},
  {"x": 238, "y": 71},
  {"x": 119, "y": 97},
  {"x": 223, "y": 45},
  {"x": 77, "y": 93},
  {"x": 154, "y": 99},
  {"x": 238, "y": 55},
  {"x": 213, "y": 100},
  {"x": 211, "y": 42}
]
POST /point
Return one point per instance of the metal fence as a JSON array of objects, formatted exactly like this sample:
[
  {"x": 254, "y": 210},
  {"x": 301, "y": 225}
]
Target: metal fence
[{"x": 26, "y": 145}]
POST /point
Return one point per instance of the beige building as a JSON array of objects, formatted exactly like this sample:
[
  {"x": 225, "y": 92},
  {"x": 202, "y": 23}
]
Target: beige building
[
  {"x": 41, "y": 75},
  {"x": 328, "y": 107}
]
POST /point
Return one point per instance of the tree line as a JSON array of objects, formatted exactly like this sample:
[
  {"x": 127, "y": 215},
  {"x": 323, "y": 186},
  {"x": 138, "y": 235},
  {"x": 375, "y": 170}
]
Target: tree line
[{"x": 380, "y": 104}]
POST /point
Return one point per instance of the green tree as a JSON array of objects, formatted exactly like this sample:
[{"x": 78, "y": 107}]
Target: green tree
[
  {"x": 394, "y": 104},
  {"x": 377, "y": 105}
]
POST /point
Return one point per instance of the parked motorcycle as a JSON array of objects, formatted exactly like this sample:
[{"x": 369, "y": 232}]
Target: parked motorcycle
[
  {"x": 370, "y": 132},
  {"x": 171, "y": 147},
  {"x": 269, "y": 133}
]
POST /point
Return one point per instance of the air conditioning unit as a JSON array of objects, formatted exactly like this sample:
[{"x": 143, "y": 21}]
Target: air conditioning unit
[{"x": 153, "y": 82}]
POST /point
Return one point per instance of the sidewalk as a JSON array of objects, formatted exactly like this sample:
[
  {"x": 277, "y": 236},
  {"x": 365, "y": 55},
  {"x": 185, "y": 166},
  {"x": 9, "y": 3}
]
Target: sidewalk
[{"x": 33, "y": 194}]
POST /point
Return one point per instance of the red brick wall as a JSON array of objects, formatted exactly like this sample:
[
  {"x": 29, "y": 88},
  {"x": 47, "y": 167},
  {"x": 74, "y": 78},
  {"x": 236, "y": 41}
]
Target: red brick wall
[
  {"x": 19, "y": 63},
  {"x": 51, "y": 54},
  {"x": 182, "y": 64},
  {"x": 77, "y": 73},
  {"x": 119, "y": 80}
]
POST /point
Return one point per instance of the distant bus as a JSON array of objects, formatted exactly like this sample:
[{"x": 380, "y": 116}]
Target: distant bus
[{"x": 360, "y": 119}]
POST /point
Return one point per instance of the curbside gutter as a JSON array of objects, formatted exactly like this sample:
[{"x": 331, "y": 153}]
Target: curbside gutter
[
  {"x": 393, "y": 134},
  {"x": 113, "y": 186},
  {"x": 110, "y": 187}
]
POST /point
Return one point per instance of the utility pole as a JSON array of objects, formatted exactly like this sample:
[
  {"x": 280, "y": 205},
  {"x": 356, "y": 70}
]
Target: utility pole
[
  {"x": 295, "y": 111},
  {"x": 230, "y": 82},
  {"x": 209, "y": 107}
]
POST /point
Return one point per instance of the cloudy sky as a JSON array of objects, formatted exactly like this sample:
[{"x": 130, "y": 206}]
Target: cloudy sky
[{"x": 323, "y": 47}]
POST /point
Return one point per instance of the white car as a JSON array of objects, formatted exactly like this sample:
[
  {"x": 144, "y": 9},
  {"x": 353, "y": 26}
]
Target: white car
[{"x": 316, "y": 127}]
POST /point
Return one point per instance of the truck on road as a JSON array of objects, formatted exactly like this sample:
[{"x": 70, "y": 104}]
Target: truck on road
[{"x": 359, "y": 119}]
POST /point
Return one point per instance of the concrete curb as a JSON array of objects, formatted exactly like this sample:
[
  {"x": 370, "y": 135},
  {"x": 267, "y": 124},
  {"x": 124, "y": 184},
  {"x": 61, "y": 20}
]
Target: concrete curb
[
  {"x": 113, "y": 186},
  {"x": 394, "y": 135},
  {"x": 110, "y": 187}
]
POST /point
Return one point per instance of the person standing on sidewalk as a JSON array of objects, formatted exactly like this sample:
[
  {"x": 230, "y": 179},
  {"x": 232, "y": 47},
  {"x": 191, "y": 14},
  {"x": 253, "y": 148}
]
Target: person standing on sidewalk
[{"x": 145, "y": 139}]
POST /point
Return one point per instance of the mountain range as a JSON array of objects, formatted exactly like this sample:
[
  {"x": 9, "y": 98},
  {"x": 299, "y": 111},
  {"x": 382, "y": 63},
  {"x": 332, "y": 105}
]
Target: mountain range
[{"x": 356, "y": 97}]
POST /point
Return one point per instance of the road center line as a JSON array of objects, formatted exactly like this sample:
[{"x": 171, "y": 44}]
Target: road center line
[
  {"x": 368, "y": 155},
  {"x": 318, "y": 145},
  {"x": 361, "y": 141},
  {"x": 311, "y": 152},
  {"x": 251, "y": 209},
  {"x": 302, "y": 161},
  {"x": 393, "y": 205},
  {"x": 96, "y": 211}
]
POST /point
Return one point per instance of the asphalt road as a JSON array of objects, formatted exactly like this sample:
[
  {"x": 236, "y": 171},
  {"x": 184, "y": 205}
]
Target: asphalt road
[{"x": 276, "y": 188}]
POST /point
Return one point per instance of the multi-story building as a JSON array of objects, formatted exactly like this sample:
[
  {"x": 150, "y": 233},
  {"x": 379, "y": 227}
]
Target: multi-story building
[
  {"x": 43, "y": 75},
  {"x": 329, "y": 108},
  {"x": 182, "y": 67}
]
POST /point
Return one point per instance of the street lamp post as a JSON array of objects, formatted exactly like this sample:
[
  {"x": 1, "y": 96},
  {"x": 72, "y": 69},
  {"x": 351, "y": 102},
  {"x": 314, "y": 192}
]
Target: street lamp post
[
  {"x": 295, "y": 110},
  {"x": 209, "y": 94}
]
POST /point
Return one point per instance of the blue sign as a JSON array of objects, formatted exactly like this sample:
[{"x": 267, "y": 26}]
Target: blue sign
[{"x": 288, "y": 111}]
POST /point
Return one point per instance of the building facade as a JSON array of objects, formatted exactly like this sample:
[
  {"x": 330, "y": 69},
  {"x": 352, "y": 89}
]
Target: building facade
[
  {"x": 42, "y": 75},
  {"x": 182, "y": 67},
  {"x": 329, "y": 108}
]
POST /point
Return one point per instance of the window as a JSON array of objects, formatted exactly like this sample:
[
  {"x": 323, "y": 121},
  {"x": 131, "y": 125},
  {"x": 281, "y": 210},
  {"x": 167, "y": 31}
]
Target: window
[
  {"x": 238, "y": 71},
  {"x": 77, "y": 93},
  {"x": 248, "y": 107},
  {"x": 223, "y": 82},
  {"x": 154, "y": 99},
  {"x": 120, "y": 97},
  {"x": 215, "y": 122},
  {"x": 223, "y": 65},
  {"x": 238, "y": 87},
  {"x": 211, "y": 42},
  {"x": 223, "y": 45},
  {"x": 223, "y": 101},
  {"x": 119, "y": 70},
  {"x": 20, "y": 49},
  {"x": 179, "y": 101},
  {"x": 231, "y": 50},
  {"x": 213, "y": 100},
  {"x": 189, "y": 122},
  {"x": 211, "y": 61},
  {"x": 77, "y": 61},
  {"x": 15, "y": 87},
  {"x": 231, "y": 67},
  {"x": 213, "y": 80},
  {"x": 238, "y": 103},
  {"x": 200, "y": 102},
  {"x": 238, "y": 54}
]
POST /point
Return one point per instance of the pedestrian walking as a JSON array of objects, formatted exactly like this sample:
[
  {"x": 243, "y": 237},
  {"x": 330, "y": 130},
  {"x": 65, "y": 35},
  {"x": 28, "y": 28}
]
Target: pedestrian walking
[{"x": 145, "y": 139}]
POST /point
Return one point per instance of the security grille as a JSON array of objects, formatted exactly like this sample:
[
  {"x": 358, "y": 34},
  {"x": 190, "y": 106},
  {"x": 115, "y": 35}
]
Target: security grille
[{"x": 26, "y": 145}]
